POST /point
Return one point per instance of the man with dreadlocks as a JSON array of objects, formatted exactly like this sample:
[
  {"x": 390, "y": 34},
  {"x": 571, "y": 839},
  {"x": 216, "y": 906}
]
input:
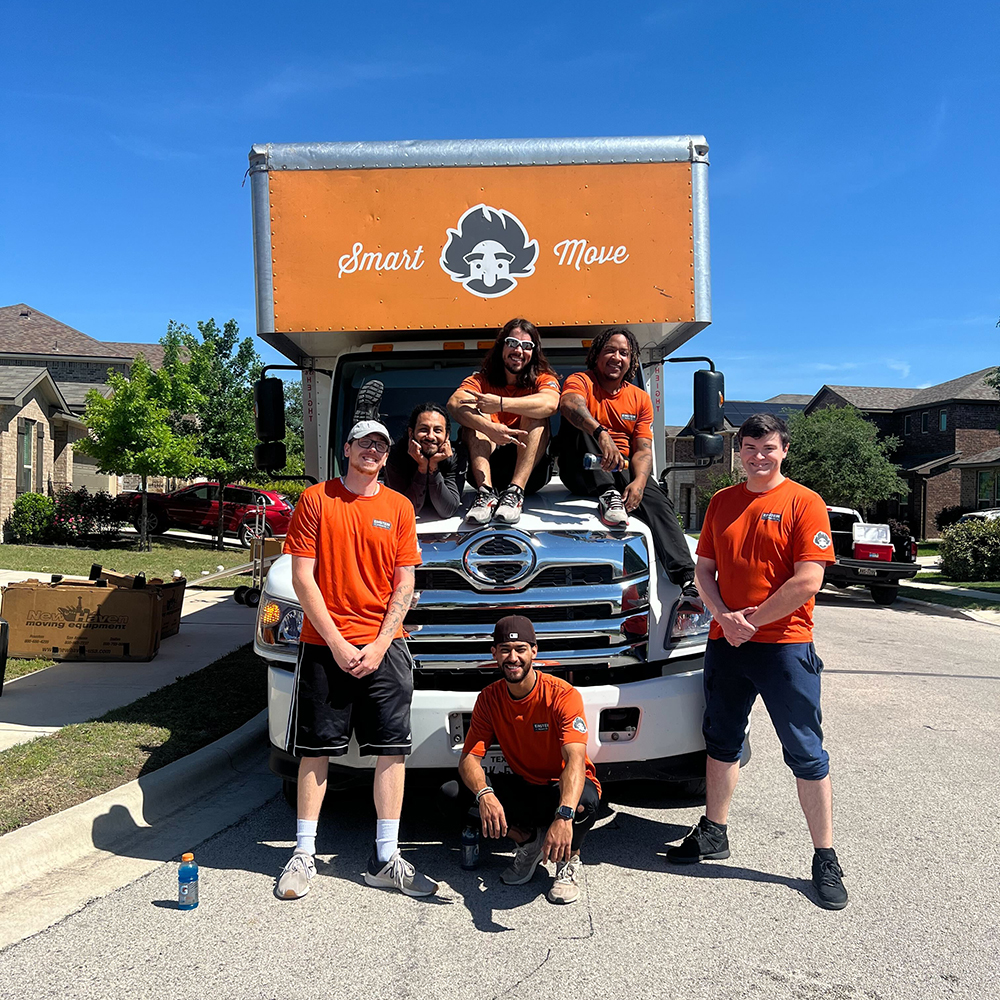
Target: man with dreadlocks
[
  {"x": 605, "y": 414},
  {"x": 505, "y": 409}
]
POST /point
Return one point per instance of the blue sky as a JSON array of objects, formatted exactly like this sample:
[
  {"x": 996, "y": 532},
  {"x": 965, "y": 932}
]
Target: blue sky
[{"x": 855, "y": 210}]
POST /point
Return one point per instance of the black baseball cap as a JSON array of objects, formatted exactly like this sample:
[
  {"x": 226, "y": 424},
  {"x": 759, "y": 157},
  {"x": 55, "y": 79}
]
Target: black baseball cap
[{"x": 514, "y": 628}]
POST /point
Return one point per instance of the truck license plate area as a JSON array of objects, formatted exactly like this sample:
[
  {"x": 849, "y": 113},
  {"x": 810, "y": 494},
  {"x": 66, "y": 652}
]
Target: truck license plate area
[
  {"x": 494, "y": 763},
  {"x": 867, "y": 571}
]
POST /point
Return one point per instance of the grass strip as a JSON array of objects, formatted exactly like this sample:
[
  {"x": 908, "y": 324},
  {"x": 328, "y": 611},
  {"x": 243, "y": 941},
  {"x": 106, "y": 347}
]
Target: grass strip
[
  {"x": 52, "y": 773},
  {"x": 928, "y": 548},
  {"x": 949, "y": 600},
  {"x": 993, "y": 586},
  {"x": 191, "y": 558},
  {"x": 18, "y": 668}
]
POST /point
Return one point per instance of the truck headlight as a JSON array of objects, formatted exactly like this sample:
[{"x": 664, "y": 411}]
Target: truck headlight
[
  {"x": 279, "y": 624},
  {"x": 689, "y": 622}
]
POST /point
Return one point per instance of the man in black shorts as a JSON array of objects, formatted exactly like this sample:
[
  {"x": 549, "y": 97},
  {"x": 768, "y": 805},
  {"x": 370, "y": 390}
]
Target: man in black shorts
[
  {"x": 550, "y": 801},
  {"x": 354, "y": 547}
]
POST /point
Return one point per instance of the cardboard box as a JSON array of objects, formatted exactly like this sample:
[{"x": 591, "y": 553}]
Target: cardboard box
[
  {"x": 172, "y": 593},
  {"x": 272, "y": 547},
  {"x": 82, "y": 620}
]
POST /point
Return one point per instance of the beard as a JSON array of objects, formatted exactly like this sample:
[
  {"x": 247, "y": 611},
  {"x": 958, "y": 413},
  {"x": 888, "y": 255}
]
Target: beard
[{"x": 428, "y": 448}]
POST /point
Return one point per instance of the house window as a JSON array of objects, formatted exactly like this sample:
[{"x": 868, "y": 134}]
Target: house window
[
  {"x": 942, "y": 420},
  {"x": 988, "y": 494},
  {"x": 925, "y": 419},
  {"x": 908, "y": 423},
  {"x": 25, "y": 455}
]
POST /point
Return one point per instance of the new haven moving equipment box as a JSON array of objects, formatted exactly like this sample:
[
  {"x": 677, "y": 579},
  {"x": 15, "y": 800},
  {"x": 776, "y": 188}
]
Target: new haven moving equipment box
[
  {"x": 82, "y": 620},
  {"x": 172, "y": 594}
]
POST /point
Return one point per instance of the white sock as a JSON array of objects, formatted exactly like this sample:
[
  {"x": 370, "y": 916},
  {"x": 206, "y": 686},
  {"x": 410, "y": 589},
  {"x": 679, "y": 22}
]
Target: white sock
[
  {"x": 305, "y": 836},
  {"x": 386, "y": 839}
]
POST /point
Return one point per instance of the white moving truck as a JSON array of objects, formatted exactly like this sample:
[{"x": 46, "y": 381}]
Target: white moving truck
[{"x": 359, "y": 252}]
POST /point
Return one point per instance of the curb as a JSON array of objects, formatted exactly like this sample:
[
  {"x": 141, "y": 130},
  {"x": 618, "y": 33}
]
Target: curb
[{"x": 123, "y": 813}]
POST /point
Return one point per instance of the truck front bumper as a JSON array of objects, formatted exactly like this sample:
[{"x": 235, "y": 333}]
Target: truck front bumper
[{"x": 866, "y": 572}]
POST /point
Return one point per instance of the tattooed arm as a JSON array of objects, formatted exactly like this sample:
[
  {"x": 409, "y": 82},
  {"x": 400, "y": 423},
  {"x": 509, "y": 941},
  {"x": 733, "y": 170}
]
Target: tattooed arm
[
  {"x": 369, "y": 658},
  {"x": 573, "y": 408},
  {"x": 642, "y": 466}
]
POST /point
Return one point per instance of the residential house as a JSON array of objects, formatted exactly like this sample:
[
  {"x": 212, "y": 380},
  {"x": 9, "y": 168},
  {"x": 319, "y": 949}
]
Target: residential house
[
  {"x": 948, "y": 433},
  {"x": 46, "y": 370}
]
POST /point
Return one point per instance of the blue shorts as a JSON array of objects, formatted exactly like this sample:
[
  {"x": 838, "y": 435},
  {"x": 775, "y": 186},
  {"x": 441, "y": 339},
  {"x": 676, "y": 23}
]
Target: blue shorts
[{"x": 787, "y": 677}]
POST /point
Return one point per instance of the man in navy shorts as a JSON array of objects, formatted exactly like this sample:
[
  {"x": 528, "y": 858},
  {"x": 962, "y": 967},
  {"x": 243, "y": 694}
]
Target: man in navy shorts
[{"x": 761, "y": 556}]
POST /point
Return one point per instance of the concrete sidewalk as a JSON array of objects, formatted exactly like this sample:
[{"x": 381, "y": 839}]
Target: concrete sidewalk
[{"x": 212, "y": 625}]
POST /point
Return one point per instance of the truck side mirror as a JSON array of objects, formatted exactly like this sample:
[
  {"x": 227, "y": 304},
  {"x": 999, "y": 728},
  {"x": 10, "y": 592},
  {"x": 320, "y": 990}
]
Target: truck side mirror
[
  {"x": 708, "y": 445},
  {"x": 269, "y": 412},
  {"x": 709, "y": 401},
  {"x": 270, "y": 456}
]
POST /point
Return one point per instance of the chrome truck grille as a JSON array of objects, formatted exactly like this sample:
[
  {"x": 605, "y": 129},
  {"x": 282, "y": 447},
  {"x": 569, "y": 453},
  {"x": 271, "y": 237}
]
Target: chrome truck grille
[{"x": 586, "y": 593}]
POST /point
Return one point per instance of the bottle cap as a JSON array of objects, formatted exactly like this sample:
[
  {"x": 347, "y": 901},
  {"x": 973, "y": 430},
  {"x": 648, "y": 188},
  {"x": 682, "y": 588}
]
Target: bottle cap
[{"x": 187, "y": 857}]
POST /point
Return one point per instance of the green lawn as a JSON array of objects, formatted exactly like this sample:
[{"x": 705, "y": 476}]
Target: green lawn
[
  {"x": 993, "y": 586},
  {"x": 54, "y": 772},
  {"x": 167, "y": 554},
  {"x": 18, "y": 668},
  {"x": 928, "y": 548},
  {"x": 949, "y": 600}
]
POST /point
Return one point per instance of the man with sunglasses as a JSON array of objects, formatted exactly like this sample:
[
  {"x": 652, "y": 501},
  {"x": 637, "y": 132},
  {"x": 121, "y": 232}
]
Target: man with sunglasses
[
  {"x": 504, "y": 409},
  {"x": 353, "y": 544}
]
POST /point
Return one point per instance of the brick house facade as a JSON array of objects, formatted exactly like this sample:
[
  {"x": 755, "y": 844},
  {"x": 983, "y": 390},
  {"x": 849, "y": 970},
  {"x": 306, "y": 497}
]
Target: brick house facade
[
  {"x": 46, "y": 370},
  {"x": 939, "y": 427}
]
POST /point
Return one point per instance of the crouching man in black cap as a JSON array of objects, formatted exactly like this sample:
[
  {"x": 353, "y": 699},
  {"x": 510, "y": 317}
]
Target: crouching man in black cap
[{"x": 549, "y": 802}]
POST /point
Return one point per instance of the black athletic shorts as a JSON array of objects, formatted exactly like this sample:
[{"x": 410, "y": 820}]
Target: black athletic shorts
[
  {"x": 503, "y": 460},
  {"x": 329, "y": 704}
]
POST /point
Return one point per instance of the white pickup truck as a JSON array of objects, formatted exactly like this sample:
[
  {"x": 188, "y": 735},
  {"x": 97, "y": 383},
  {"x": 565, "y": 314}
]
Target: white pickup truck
[{"x": 355, "y": 283}]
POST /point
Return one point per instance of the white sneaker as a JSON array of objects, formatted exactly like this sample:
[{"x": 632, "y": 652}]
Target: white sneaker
[
  {"x": 509, "y": 509},
  {"x": 612, "y": 511},
  {"x": 293, "y": 882},
  {"x": 565, "y": 888},
  {"x": 398, "y": 873},
  {"x": 482, "y": 508}
]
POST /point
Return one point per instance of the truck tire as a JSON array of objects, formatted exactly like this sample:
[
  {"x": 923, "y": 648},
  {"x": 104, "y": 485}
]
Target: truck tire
[{"x": 884, "y": 595}]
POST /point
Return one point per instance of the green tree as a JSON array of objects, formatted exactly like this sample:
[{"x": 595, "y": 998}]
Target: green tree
[
  {"x": 221, "y": 369},
  {"x": 132, "y": 432},
  {"x": 839, "y": 454},
  {"x": 295, "y": 447},
  {"x": 717, "y": 481}
]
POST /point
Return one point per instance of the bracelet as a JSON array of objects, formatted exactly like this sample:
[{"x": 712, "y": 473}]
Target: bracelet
[
  {"x": 483, "y": 791},
  {"x": 501, "y": 404},
  {"x": 598, "y": 431}
]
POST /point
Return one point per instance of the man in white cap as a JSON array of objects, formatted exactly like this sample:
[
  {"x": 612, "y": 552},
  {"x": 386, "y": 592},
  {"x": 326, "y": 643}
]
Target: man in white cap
[{"x": 353, "y": 544}]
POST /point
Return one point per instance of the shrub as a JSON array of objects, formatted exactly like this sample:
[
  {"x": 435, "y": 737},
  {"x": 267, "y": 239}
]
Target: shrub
[
  {"x": 971, "y": 551},
  {"x": 82, "y": 515},
  {"x": 30, "y": 519},
  {"x": 947, "y": 516},
  {"x": 292, "y": 489}
]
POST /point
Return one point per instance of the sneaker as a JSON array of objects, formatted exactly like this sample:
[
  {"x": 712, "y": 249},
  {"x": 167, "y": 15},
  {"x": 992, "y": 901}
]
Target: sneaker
[
  {"x": 526, "y": 859},
  {"x": 611, "y": 508},
  {"x": 370, "y": 395},
  {"x": 828, "y": 882},
  {"x": 293, "y": 882},
  {"x": 510, "y": 504},
  {"x": 565, "y": 889},
  {"x": 690, "y": 592},
  {"x": 398, "y": 873},
  {"x": 485, "y": 503},
  {"x": 705, "y": 842}
]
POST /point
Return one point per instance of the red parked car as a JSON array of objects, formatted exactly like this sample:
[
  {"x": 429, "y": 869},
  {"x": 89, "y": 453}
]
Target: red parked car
[{"x": 195, "y": 508}]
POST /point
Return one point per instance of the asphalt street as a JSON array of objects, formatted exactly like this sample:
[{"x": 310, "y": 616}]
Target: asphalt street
[{"x": 911, "y": 715}]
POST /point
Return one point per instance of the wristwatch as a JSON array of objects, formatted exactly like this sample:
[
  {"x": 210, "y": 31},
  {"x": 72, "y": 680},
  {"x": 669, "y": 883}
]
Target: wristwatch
[
  {"x": 599, "y": 430},
  {"x": 565, "y": 812}
]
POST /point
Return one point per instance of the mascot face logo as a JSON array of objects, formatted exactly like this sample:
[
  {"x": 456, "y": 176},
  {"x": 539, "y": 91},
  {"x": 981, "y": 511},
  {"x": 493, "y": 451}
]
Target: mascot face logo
[{"x": 488, "y": 252}]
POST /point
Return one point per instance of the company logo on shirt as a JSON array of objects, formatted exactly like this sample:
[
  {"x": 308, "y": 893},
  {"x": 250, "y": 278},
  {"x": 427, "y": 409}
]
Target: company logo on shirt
[
  {"x": 629, "y": 416},
  {"x": 579, "y": 724},
  {"x": 771, "y": 517},
  {"x": 821, "y": 540},
  {"x": 541, "y": 727},
  {"x": 377, "y": 523}
]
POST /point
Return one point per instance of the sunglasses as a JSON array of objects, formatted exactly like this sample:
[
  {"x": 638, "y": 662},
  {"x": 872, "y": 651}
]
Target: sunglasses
[
  {"x": 376, "y": 444},
  {"x": 513, "y": 343}
]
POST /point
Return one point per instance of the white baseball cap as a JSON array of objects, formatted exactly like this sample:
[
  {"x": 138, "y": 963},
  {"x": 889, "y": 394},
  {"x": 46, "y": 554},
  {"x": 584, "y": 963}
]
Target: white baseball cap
[{"x": 364, "y": 428}]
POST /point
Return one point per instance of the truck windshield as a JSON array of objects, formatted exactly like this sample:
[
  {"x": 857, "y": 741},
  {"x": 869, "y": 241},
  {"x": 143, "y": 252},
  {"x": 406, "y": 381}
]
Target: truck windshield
[{"x": 411, "y": 379}]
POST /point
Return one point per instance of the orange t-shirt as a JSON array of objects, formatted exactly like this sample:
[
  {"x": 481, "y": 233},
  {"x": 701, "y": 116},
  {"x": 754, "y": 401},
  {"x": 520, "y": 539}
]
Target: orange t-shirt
[
  {"x": 531, "y": 731},
  {"x": 755, "y": 540},
  {"x": 626, "y": 414},
  {"x": 478, "y": 383},
  {"x": 357, "y": 543}
]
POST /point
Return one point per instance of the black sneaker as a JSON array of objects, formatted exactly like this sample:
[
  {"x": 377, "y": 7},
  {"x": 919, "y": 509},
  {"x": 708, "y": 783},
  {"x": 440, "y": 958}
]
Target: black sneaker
[
  {"x": 369, "y": 397},
  {"x": 706, "y": 842},
  {"x": 828, "y": 881},
  {"x": 690, "y": 592},
  {"x": 482, "y": 509},
  {"x": 509, "y": 507}
]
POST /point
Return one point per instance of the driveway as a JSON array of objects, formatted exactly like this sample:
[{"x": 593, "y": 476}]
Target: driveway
[{"x": 912, "y": 717}]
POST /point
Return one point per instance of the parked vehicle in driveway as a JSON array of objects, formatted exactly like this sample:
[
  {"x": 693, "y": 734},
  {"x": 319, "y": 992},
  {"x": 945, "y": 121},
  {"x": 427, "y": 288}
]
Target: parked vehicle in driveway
[
  {"x": 988, "y": 514},
  {"x": 869, "y": 555},
  {"x": 195, "y": 508}
]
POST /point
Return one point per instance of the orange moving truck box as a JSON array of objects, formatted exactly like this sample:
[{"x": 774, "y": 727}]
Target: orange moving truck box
[{"x": 82, "y": 621}]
